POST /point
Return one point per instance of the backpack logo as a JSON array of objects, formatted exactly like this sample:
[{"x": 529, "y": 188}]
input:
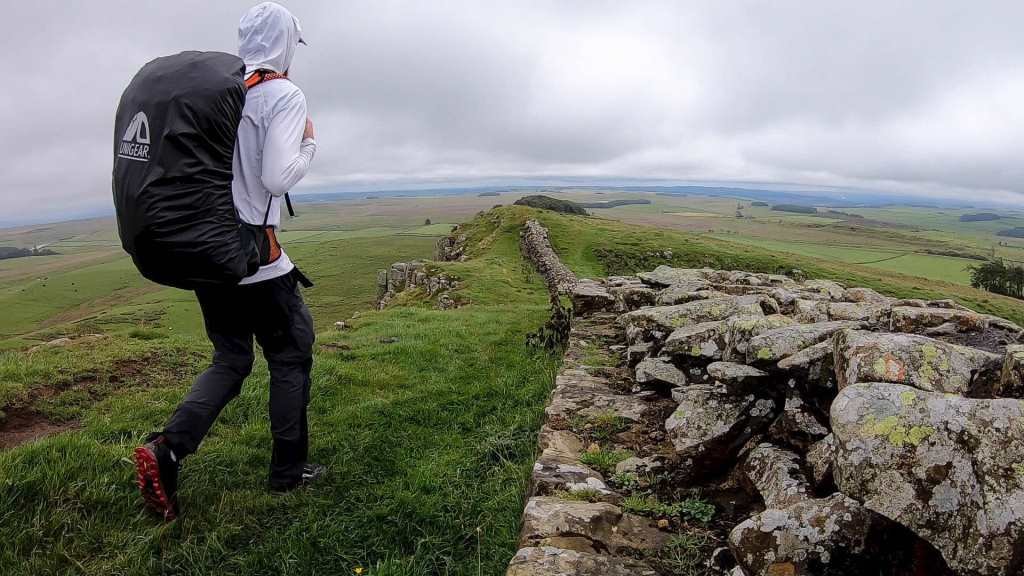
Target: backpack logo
[{"x": 135, "y": 142}]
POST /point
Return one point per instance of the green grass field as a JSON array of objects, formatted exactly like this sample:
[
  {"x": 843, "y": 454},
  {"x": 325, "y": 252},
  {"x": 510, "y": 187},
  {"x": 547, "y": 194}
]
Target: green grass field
[
  {"x": 931, "y": 243},
  {"x": 929, "y": 266},
  {"x": 429, "y": 439}
]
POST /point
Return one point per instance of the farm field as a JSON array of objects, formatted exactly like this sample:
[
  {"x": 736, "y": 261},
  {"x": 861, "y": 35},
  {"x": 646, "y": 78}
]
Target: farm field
[
  {"x": 426, "y": 418},
  {"x": 927, "y": 242},
  {"x": 907, "y": 262}
]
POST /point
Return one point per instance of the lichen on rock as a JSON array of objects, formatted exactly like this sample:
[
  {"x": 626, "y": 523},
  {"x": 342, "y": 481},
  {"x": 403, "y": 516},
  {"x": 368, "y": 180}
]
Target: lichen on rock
[{"x": 940, "y": 464}]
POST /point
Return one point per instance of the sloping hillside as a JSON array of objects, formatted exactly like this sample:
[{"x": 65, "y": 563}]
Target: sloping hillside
[{"x": 427, "y": 418}]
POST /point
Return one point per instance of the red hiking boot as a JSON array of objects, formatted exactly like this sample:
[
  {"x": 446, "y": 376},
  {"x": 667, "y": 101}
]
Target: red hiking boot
[{"x": 156, "y": 471}]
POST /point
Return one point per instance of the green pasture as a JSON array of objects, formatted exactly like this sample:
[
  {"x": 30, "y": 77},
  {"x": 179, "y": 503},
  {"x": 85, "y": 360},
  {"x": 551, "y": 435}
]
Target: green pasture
[
  {"x": 946, "y": 268},
  {"x": 943, "y": 219}
]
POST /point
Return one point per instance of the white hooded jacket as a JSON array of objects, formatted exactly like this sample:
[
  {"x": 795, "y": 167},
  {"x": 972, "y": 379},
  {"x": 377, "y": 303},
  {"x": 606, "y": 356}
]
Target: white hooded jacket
[{"x": 271, "y": 155}]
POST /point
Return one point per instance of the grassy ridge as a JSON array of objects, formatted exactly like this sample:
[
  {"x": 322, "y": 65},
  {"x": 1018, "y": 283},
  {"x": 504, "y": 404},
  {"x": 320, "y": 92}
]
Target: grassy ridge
[
  {"x": 429, "y": 439},
  {"x": 595, "y": 247}
]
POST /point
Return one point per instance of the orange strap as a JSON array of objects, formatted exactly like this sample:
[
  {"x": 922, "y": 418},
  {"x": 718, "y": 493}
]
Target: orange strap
[
  {"x": 261, "y": 76},
  {"x": 275, "y": 246}
]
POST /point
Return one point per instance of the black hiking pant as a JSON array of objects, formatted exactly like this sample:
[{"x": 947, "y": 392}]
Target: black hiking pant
[{"x": 273, "y": 312}]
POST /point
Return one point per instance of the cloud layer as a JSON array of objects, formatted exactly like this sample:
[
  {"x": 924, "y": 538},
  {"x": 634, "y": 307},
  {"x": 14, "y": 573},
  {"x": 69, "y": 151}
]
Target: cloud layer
[{"x": 913, "y": 97}]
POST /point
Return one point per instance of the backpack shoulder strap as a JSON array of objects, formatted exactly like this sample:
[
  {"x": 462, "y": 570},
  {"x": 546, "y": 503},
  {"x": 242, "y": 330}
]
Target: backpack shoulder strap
[
  {"x": 261, "y": 76},
  {"x": 254, "y": 79},
  {"x": 270, "y": 201},
  {"x": 266, "y": 215}
]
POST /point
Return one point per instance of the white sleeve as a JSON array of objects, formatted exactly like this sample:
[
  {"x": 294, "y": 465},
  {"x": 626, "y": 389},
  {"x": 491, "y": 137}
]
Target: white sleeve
[{"x": 286, "y": 154}]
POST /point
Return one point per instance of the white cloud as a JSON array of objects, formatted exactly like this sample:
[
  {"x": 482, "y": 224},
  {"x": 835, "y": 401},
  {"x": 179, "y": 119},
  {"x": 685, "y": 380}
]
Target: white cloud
[{"x": 915, "y": 97}]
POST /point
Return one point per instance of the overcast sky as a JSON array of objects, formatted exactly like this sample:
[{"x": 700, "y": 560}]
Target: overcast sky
[{"x": 920, "y": 97}]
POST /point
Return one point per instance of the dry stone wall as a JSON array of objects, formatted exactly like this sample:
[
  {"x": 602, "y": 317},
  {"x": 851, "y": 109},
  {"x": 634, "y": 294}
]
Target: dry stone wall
[
  {"x": 536, "y": 247},
  {"x": 831, "y": 430}
]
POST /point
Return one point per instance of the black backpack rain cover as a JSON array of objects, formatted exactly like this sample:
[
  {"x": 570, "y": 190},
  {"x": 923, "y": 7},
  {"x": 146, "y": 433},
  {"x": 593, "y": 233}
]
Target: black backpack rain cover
[{"x": 174, "y": 140}]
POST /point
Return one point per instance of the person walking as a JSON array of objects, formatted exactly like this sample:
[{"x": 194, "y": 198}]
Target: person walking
[{"x": 273, "y": 151}]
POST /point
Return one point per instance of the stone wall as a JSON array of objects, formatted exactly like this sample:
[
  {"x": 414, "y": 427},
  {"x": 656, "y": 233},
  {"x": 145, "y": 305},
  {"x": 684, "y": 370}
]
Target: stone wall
[
  {"x": 536, "y": 247},
  {"x": 724, "y": 422},
  {"x": 415, "y": 275}
]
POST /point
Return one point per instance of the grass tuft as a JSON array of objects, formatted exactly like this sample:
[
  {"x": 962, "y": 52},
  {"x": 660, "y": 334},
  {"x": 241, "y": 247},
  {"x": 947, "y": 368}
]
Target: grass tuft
[
  {"x": 601, "y": 426},
  {"x": 603, "y": 460},
  {"x": 685, "y": 554},
  {"x": 690, "y": 509},
  {"x": 583, "y": 495}
]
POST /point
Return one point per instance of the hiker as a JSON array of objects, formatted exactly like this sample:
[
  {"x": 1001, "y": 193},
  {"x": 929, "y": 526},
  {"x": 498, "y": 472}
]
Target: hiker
[{"x": 273, "y": 151}]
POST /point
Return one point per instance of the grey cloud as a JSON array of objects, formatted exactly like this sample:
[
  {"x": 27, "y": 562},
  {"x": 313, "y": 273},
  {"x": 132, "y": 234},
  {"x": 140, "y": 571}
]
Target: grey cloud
[{"x": 916, "y": 97}]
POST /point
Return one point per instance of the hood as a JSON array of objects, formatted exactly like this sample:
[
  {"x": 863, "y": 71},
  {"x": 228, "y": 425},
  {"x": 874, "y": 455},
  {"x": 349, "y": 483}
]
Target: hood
[{"x": 267, "y": 37}]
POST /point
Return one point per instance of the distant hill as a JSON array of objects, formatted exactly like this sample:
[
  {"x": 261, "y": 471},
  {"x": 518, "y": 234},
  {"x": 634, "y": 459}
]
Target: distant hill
[
  {"x": 841, "y": 214},
  {"x": 980, "y": 217},
  {"x": 489, "y": 193},
  {"x": 797, "y": 208},
  {"x": 759, "y": 203},
  {"x": 553, "y": 204},
  {"x": 1017, "y": 232},
  {"x": 614, "y": 203}
]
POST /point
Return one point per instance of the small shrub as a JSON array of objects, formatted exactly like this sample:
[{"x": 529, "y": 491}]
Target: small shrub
[
  {"x": 554, "y": 334},
  {"x": 627, "y": 481},
  {"x": 697, "y": 509}
]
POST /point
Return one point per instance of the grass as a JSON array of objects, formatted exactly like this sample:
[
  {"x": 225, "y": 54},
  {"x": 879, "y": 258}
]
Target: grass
[
  {"x": 74, "y": 376},
  {"x": 626, "y": 481},
  {"x": 583, "y": 495},
  {"x": 685, "y": 554},
  {"x": 594, "y": 247},
  {"x": 604, "y": 460},
  {"x": 689, "y": 509},
  {"x": 601, "y": 427},
  {"x": 112, "y": 297},
  {"x": 429, "y": 441},
  {"x": 919, "y": 232},
  {"x": 942, "y": 268},
  {"x": 596, "y": 356}
]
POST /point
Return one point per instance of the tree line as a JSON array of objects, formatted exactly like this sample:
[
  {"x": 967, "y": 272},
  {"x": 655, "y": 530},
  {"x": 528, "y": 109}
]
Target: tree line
[
  {"x": 999, "y": 277},
  {"x": 12, "y": 252}
]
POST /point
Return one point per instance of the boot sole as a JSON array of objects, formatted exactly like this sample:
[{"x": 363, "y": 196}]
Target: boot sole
[{"x": 147, "y": 475}]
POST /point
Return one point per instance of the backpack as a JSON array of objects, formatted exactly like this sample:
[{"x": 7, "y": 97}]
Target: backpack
[{"x": 174, "y": 142}]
